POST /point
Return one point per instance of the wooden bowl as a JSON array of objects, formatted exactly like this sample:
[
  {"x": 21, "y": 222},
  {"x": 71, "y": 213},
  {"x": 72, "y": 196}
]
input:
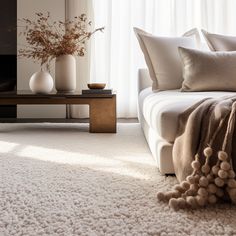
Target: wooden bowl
[{"x": 96, "y": 86}]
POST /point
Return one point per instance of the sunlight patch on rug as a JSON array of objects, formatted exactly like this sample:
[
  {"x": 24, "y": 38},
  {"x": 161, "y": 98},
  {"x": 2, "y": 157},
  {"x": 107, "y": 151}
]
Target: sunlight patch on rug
[
  {"x": 95, "y": 162},
  {"x": 6, "y": 147}
]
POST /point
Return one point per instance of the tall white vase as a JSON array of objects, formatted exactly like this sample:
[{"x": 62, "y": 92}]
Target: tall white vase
[{"x": 65, "y": 73}]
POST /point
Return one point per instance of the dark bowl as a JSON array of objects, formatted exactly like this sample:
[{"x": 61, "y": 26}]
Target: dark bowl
[{"x": 96, "y": 86}]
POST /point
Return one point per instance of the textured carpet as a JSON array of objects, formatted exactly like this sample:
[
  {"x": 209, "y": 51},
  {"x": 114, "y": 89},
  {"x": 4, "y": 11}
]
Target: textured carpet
[{"x": 61, "y": 180}]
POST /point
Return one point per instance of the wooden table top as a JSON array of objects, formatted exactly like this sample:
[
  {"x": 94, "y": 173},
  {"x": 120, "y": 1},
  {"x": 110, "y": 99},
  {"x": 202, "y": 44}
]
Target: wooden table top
[{"x": 53, "y": 94}]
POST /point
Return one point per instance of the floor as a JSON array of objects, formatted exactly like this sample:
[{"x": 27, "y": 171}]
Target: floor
[{"x": 57, "y": 179}]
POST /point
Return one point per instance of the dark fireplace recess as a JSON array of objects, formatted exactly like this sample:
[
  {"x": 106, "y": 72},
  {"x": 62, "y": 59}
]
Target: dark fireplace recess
[
  {"x": 8, "y": 82},
  {"x": 8, "y": 59}
]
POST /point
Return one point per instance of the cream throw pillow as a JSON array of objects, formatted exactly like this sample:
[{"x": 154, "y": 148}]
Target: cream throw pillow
[
  {"x": 217, "y": 42},
  {"x": 162, "y": 58},
  {"x": 208, "y": 71}
]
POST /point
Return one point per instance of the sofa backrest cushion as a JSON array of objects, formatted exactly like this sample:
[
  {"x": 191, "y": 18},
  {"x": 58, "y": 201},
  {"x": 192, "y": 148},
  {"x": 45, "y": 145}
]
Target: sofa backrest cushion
[
  {"x": 217, "y": 42},
  {"x": 162, "y": 58}
]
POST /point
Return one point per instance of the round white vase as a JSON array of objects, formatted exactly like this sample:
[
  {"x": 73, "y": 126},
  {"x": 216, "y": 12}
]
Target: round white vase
[
  {"x": 65, "y": 73},
  {"x": 41, "y": 82}
]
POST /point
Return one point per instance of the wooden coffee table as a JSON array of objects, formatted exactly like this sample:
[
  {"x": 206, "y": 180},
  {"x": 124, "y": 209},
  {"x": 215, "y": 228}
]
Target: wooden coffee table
[{"x": 102, "y": 107}]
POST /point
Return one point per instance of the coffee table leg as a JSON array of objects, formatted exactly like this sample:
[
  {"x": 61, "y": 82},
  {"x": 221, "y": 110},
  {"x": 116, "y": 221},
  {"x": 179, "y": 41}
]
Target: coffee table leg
[{"x": 103, "y": 115}]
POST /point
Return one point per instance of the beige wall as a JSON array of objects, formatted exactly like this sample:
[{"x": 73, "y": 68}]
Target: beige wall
[{"x": 25, "y": 67}]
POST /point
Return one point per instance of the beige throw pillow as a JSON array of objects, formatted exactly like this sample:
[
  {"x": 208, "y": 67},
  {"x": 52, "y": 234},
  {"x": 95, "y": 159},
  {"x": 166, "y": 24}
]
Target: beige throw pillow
[
  {"x": 217, "y": 42},
  {"x": 208, "y": 71},
  {"x": 162, "y": 58}
]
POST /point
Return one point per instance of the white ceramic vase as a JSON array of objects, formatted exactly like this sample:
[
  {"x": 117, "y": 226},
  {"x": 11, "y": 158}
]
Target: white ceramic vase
[
  {"x": 41, "y": 82},
  {"x": 65, "y": 73}
]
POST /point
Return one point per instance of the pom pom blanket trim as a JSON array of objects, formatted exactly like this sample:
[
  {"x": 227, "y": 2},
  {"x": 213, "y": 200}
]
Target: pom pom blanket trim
[{"x": 203, "y": 156}]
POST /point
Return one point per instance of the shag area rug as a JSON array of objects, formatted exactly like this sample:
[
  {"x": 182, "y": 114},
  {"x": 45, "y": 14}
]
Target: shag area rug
[{"x": 61, "y": 180}]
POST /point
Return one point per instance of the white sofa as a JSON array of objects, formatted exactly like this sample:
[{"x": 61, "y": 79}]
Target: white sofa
[{"x": 158, "y": 115}]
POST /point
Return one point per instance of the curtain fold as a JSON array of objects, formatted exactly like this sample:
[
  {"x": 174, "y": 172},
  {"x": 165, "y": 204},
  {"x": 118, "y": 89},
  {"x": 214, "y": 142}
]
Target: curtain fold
[{"x": 116, "y": 56}]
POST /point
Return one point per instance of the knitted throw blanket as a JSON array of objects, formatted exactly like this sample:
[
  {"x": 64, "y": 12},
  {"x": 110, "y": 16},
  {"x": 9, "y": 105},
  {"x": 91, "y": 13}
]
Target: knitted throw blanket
[{"x": 204, "y": 155}]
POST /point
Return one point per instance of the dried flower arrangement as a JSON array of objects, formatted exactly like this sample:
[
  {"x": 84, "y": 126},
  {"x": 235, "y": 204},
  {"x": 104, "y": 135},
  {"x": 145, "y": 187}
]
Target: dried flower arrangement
[{"x": 49, "y": 39}]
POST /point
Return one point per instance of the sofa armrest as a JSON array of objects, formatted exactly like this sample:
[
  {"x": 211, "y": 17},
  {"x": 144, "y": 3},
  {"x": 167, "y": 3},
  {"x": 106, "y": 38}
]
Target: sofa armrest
[{"x": 144, "y": 80}]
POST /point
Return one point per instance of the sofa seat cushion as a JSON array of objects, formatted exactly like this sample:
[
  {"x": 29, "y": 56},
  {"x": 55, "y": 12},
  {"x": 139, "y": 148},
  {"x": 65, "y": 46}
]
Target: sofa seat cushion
[{"x": 161, "y": 110}]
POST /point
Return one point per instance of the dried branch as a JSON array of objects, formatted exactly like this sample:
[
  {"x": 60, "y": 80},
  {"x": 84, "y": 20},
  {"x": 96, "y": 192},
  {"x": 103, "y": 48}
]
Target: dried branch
[{"x": 49, "y": 39}]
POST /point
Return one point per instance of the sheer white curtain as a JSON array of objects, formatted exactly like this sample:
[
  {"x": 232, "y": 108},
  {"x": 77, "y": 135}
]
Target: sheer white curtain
[
  {"x": 116, "y": 56},
  {"x": 75, "y": 8}
]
